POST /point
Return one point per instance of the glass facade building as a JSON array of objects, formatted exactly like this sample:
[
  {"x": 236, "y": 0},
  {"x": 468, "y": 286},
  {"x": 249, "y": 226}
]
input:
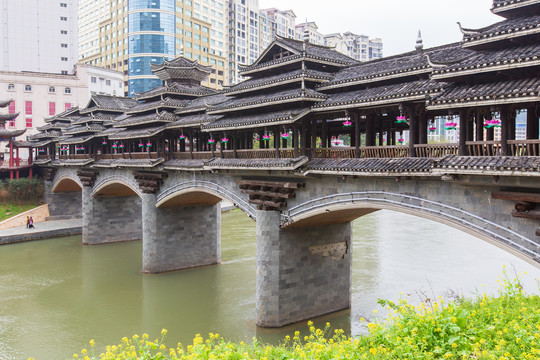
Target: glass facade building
[{"x": 151, "y": 38}]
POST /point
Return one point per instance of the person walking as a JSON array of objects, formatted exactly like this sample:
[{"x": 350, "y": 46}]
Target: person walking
[
  {"x": 27, "y": 222},
  {"x": 31, "y": 223}
]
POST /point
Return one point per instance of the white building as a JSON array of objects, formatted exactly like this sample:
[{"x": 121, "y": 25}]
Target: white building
[
  {"x": 358, "y": 47},
  {"x": 40, "y": 37},
  {"x": 315, "y": 37},
  {"x": 285, "y": 22},
  {"x": 36, "y": 96}
]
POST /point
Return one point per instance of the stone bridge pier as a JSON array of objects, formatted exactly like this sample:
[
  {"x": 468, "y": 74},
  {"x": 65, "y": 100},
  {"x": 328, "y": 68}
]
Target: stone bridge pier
[
  {"x": 301, "y": 273},
  {"x": 63, "y": 195}
]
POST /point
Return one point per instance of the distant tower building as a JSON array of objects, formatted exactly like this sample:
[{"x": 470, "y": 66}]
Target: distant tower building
[
  {"x": 40, "y": 37},
  {"x": 284, "y": 22},
  {"x": 131, "y": 35},
  {"x": 315, "y": 37},
  {"x": 359, "y": 47}
]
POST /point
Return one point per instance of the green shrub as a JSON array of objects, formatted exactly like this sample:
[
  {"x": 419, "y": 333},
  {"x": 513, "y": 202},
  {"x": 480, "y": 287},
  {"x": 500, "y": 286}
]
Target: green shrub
[{"x": 21, "y": 191}]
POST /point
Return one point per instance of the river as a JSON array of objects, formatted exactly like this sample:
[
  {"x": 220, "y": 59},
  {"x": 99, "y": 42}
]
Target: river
[{"x": 56, "y": 295}]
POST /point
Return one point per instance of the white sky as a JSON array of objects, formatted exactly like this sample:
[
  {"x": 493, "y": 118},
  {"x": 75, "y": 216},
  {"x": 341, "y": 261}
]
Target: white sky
[{"x": 395, "y": 21}]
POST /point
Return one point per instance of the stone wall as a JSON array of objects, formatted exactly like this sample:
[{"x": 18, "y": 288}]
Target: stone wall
[
  {"x": 64, "y": 205},
  {"x": 180, "y": 237},
  {"x": 110, "y": 219},
  {"x": 301, "y": 273}
]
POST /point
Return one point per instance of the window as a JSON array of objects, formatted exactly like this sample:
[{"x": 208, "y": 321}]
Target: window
[
  {"x": 52, "y": 108},
  {"x": 63, "y": 18},
  {"x": 52, "y": 89},
  {"x": 93, "y": 79},
  {"x": 12, "y": 111},
  {"x": 64, "y": 72},
  {"x": 67, "y": 90},
  {"x": 67, "y": 106},
  {"x": 108, "y": 82},
  {"x": 28, "y": 122},
  {"x": 63, "y": 45},
  {"x": 28, "y": 107},
  {"x": 63, "y": 32},
  {"x": 27, "y": 87},
  {"x": 63, "y": 5},
  {"x": 11, "y": 87},
  {"x": 64, "y": 58}
]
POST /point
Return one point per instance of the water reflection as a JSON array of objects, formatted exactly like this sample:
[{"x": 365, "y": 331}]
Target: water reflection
[{"x": 56, "y": 295}]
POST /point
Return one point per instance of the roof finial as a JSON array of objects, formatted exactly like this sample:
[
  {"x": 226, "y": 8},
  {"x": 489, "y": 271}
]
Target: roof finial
[
  {"x": 181, "y": 51},
  {"x": 419, "y": 45}
]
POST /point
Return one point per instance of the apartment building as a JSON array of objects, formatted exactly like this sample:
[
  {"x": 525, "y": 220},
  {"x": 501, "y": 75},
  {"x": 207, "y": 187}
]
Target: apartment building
[
  {"x": 358, "y": 47},
  {"x": 41, "y": 37}
]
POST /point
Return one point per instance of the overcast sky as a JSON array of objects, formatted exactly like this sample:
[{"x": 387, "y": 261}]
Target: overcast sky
[{"x": 395, "y": 21}]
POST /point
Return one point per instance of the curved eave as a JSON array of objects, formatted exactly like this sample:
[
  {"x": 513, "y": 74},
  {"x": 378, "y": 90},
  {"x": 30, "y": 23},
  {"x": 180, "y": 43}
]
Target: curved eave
[
  {"x": 119, "y": 136},
  {"x": 376, "y": 78},
  {"x": 481, "y": 101},
  {"x": 191, "y": 110},
  {"x": 5, "y": 103},
  {"x": 251, "y": 124},
  {"x": 144, "y": 122},
  {"x": 487, "y": 67},
  {"x": 396, "y": 100},
  {"x": 11, "y": 133},
  {"x": 513, "y": 5},
  {"x": 265, "y": 104},
  {"x": 491, "y": 38},
  {"x": 8, "y": 117},
  {"x": 75, "y": 141},
  {"x": 293, "y": 59},
  {"x": 269, "y": 85},
  {"x": 153, "y": 108}
]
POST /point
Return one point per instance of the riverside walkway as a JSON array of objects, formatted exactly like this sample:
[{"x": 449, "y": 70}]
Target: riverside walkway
[{"x": 42, "y": 230}]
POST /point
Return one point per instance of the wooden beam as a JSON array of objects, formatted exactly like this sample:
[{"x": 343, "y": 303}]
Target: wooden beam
[
  {"x": 538, "y": 231},
  {"x": 516, "y": 196},
  {"x": 533, "y": 214},
  {"x": 266, "y": 203},
  {"x": 524, "y": 206},
  {"x": 270, "y": 194},
  {"x": 278, "y": 184}
]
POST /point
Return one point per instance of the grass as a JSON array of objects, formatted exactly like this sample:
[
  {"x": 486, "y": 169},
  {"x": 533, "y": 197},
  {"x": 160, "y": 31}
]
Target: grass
[
  {"x": 8, "y": 210},
  {"x": 506, "y": 326}
]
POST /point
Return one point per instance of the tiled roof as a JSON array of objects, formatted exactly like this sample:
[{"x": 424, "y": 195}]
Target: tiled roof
[
  {"x": 487, "y": 93},
  {"x": 135, "y": 120},
  {"x": 167, "y": 102},
  {"x": 488, "y": 163},
  {"x": 5, "y": 103},
  {"x": 411, "y": 63},
  {"x": 6, "y": 117},
  {"x": 107, "y": 102},
  {"x": 136, "y": 133},
  {"x": 68, "y": 115},
  {"x": 500, "y": 6},
  {"x": 389, "y": 94},
  {"x": 189, "y": 164},
  {"x": 73, "y": 140},
  {"x": 484, "y": 61},
  {"x": 270, "y": 164},
  {"x": 75, "y": 162},
  {"x": 192, "y": 120},
  {"x": 5, "y": 133},
  {"x": 279, "y": 79},
  {"x": 176, "y": 89},
  {"x": 45, "y": 135},
  {"x": 83, "y": 129},
  {"x": 373, "y": 165},
  {"x": 265, "y": 99},
  {"x": 259, "y": 119},
  {"x": 202, "y": 103},
  {"x": 313, "y": 52},
  {"x": 505, "y": 29}
]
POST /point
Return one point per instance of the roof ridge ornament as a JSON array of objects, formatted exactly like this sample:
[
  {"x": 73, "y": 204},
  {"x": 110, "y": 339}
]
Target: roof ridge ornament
[
  {"x": 434, "y": 64},
  {"x": 467, "y": 32},
  {"x": 419, "y": 43}
]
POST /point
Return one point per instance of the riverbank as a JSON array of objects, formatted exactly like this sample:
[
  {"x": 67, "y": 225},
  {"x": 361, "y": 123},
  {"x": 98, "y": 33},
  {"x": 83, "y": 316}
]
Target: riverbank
[{"x": 485, "y": 327}]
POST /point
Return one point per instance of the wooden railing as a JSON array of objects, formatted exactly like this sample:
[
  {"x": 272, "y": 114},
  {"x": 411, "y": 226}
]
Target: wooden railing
[{"x": 474, "y": 148}]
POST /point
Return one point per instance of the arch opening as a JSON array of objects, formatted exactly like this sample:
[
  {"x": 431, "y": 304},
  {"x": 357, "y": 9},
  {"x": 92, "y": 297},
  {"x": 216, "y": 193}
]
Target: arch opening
[
  {"x": 66, "y": 184},
  {"x": 114, "y": 188}
]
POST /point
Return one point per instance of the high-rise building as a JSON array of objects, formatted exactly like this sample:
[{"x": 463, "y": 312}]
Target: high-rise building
[
  {"x": 285, "y": 22},
  {"x": 131, "y": 35},
  {"x": 359, "y": 47},
  {"x": 39, "y": 37},
  {"x": 312, "y": 30}
]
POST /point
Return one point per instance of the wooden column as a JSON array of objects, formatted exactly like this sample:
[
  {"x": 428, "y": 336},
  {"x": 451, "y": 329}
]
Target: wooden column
[
  {"x": 303, "y": 138},
  {"x": 277, "y": 137},
  {"x": 479, "y": 121},
  {"x": 357, "y": 139},
  {"x": 505, "y": 130},
  {"x": 532, "y": 123},
  {"x": 413, "y": 131},
  {"x": 313, "y": 136},
  {"x": 324, "y": 135},
  {"x": 463, "y": 119},
  {"x": 381, "y": 132},
  {"x": 191, "y": 144},
  {"x": 234, "y": 140},
  {"x": 423, "y": 128},
  {"x": 370, "y": 129}
]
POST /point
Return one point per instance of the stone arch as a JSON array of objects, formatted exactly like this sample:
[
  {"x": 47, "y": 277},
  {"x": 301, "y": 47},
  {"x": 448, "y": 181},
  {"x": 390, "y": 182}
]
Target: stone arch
[
  {"x": 66, "y": 183},
  {"x": 117, "y": 185},
  {"x": 210, "y": 191},
  {"x": 344, "y": 207}
]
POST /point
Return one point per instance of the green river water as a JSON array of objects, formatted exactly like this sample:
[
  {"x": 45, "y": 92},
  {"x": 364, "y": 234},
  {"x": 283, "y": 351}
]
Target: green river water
[{"x": 56, "y": 295}]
